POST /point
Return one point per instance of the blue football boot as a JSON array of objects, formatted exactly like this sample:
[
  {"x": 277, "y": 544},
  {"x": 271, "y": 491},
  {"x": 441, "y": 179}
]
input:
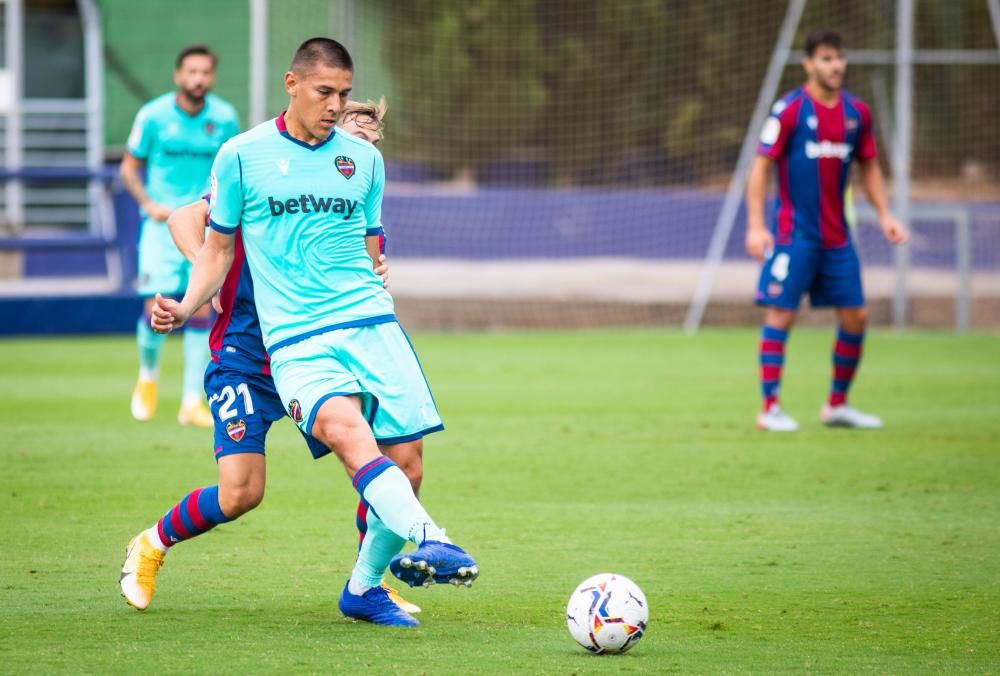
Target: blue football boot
[
  {"x": 374, "y": 606},
  {"x": 435, "y": 562}
]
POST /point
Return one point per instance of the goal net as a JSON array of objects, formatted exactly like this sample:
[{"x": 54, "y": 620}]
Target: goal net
[
  {"x": 564, "y": 163},
  {"x": 549, "y": 163},
  {"x": 949, "y": 275},
  {"x": 561, "y": 164}
]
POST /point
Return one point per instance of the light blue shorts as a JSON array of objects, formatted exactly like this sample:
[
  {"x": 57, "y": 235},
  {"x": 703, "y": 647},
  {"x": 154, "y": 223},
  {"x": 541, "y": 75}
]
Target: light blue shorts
[
  {"x": 376, "y": 362},
  {"x": 162, "y": 267}
]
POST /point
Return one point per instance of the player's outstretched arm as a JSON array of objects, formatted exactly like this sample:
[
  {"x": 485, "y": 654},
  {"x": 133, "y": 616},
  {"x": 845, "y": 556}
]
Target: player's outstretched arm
[
  {"x": 874, "y": 185},
  {"x": 187, "y": 228},
  {"x": 759, "y": 240},
  {"x": 207, "y": 276}
]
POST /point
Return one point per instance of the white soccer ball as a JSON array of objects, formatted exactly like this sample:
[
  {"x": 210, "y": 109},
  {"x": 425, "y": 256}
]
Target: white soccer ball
[{"x": 607, "y": 613}]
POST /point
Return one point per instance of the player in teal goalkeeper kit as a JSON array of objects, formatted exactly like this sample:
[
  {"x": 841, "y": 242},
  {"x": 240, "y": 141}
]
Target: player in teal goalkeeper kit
[
  {"x": 341, "y": 363},
  {"x": 176, "y": 136}
]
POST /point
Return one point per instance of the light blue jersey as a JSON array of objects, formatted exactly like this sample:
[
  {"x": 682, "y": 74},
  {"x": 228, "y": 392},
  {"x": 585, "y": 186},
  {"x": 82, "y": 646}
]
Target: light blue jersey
[
  {"x": 304, "y": 212},
  {"x": 178, "y": 148}
]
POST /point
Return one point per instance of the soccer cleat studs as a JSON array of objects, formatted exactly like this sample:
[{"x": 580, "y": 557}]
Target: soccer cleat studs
[{"x": 435, "y": 562}]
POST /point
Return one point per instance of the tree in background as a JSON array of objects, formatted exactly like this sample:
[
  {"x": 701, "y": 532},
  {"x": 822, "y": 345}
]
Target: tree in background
[
  {"x": 648, "y": 92},
  {"x": 587, "y": 92},
  {"x": 467, "y": 85}
]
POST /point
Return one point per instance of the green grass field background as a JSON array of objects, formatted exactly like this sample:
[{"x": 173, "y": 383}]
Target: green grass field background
[{"x": 565, "y": 455}]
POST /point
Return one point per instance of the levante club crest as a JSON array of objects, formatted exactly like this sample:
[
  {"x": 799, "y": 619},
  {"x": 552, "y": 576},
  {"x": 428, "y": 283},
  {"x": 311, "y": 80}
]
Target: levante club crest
[
  {"x": 236, "y": 430},
  {"x": 345, "y": 165},
  {"x": 295, "y": 410}
]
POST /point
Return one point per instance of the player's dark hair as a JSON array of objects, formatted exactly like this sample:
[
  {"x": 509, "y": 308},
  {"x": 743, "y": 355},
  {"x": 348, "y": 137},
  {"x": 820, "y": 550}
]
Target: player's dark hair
[
  {"x": 316, "y": 51},
  {"x": 197, "y": 50},
  {"x": 823, "y": 38}
]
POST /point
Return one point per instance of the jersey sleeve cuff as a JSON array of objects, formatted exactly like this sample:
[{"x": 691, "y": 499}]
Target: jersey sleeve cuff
[
  {"x": 373, "y": 232},
  {"x": 224, "y": 229}
]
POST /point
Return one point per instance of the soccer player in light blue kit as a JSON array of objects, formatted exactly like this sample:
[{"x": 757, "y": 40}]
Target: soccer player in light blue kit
[
  {"x": 341, "y": 363},
  {"x": 244, "y": 402},
  {"x": 176, "y": 136}
]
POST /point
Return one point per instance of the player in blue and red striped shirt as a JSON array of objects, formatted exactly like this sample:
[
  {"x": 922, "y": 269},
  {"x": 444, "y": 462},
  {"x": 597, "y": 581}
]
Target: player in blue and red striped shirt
[{"x": 812, "y": 137}]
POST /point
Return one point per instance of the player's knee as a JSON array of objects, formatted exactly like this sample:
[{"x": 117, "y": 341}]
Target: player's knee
[
  {"x": 236, "y": 501},
  {"x": 414, "y": 471},
  {"x": 409, "y": 457},
  {"x": 854, "y": 320},
  {"x": 779, "y": 318},
  {"x": 340, "y": 434}
]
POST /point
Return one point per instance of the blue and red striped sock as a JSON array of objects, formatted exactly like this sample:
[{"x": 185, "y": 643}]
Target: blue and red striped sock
[
  {"x": 846, "y": 355},
  {"x": 197, "y": 513},
  {"x": 772, "y": 358},
  {"x": 361, "y": 520}
]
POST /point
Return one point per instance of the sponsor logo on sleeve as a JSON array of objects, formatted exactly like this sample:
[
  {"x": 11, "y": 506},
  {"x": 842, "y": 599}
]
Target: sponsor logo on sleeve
[
  {"x": 135, "y": 137},
  {"x": 772, "y": 129}
]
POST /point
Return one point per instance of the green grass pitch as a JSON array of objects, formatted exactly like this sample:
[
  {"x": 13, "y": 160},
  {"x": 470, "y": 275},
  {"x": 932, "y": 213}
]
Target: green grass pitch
[{"x": 566, "y": 454}]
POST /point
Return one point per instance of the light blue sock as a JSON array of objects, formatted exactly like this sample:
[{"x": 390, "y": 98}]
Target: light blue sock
[
  {"x": 377, "y": 549},
  {"x": 387, "y": 490},
  {"x": 150, "y": 345},
  {"x": 196, "y": 358}
]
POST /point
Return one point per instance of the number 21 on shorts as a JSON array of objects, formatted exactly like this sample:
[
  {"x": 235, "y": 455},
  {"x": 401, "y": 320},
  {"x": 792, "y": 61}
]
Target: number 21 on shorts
[{"x": 227, "y": 397}]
